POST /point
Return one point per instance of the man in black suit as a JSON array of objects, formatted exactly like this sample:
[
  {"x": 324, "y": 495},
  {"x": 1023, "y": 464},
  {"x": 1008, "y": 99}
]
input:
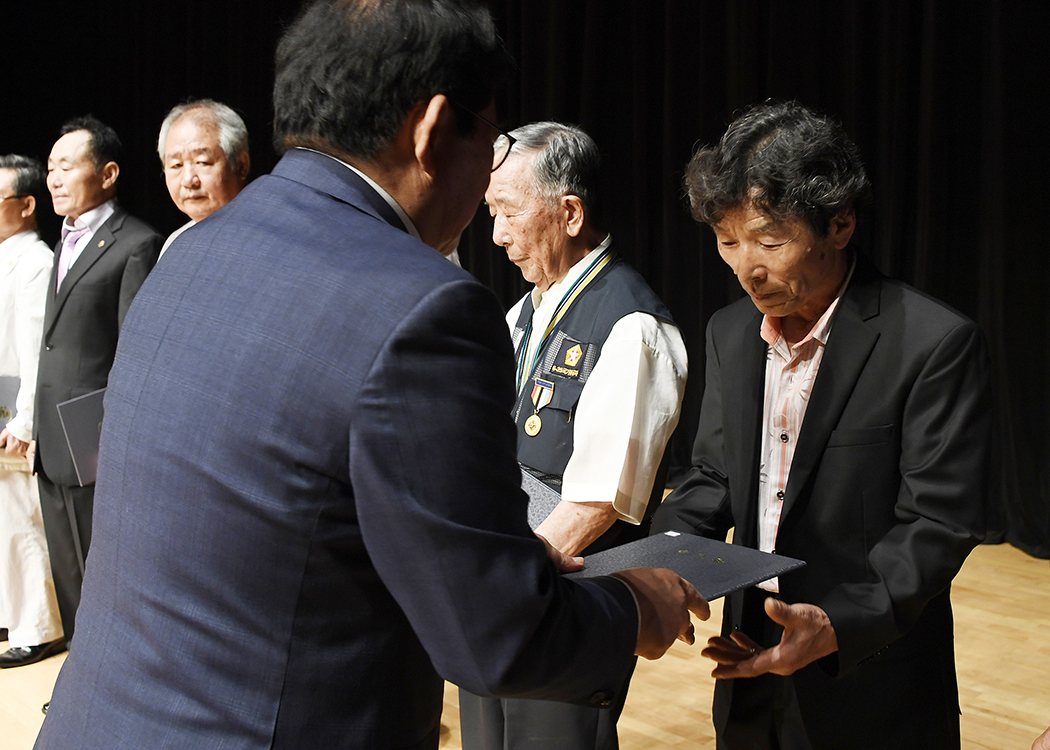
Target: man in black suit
[
  {"x": 100, "y": 263},
  {"x": 308, "y": 501},
  {"x": 845, "y": 422}
]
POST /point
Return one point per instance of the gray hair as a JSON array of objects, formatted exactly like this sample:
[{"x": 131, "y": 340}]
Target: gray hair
[
  {"x": 30, "y": 176},
  {"x": 565, "y": 161},
  {"x": 233, "y": 133}
]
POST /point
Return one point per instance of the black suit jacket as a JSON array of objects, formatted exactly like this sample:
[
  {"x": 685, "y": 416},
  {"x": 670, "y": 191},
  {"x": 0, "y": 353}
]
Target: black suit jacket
[
  {"x": 884, "y": 500},
  {"x": 82, "y": 323},
  {"x": 308, "y": 504}
]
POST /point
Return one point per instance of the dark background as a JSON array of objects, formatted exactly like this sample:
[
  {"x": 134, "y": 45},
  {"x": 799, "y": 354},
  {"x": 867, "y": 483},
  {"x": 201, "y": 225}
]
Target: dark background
[{"x": 941, "y": 97}]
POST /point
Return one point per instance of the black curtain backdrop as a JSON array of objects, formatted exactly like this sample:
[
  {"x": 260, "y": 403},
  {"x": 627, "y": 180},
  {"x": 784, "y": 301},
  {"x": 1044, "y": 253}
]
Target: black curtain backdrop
[{"x": 939, "y": 95}]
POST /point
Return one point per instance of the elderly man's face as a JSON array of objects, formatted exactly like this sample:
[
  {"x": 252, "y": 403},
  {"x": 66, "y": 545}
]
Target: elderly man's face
[
  {"x": 71, "y": 177},
  {"x": 197, "y": 173},
  {"x": 13, "y": 209},
  {"x": 526, "y": 225},
  {"x": 788, "y": 270}
]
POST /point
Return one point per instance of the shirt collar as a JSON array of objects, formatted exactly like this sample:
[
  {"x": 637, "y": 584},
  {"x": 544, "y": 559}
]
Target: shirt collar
[
  {"x": 389, "y": 199},
  {"x": 771, "y": 325},
  {"x": 556, "y": 290},
  {"x": 91, "y": 220}
]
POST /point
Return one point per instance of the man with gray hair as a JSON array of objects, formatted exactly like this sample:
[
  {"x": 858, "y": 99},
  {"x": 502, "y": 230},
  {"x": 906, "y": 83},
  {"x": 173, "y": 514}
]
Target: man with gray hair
[
  {"x": 601, "y": 369},
  {"x": 203, "y": 146},
  {"x": 28, "y": 609}
]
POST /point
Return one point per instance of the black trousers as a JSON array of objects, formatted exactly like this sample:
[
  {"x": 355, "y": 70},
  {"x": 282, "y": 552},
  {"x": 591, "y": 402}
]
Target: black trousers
[
  {"x": 518, "y": 724},
  {"x": 763, "y": 712},
  {"x": 67, "y": 514}
]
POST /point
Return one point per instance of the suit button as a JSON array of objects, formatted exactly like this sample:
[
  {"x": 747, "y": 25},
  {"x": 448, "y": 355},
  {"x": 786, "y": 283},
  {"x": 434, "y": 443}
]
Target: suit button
[
  {"x": 602, "y": 699},
  {"x": 49, "y": 346}
]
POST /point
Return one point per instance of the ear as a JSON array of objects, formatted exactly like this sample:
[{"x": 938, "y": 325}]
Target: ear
[
  {"x": 28, "y": 206},
  {"x": 242, "y": 166},
  {"x": 573, "y": 213},
  {"x": 841, "y": 228},
  {"x": 110, "y": 172},
  {"x": 430, "y": 130}
]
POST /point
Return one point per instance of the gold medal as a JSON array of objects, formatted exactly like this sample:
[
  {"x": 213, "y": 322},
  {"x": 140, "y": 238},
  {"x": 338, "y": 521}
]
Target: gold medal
[{"x": 533, "y": 425}]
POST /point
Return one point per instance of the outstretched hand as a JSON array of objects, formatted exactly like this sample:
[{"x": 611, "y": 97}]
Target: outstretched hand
[
  {"x": 664, "y": 603},
  {"x": 808, "y": 636}
]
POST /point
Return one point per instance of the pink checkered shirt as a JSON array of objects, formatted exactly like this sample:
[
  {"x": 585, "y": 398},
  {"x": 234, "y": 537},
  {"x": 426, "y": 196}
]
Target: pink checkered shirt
[{"x": 790, "y": 374}]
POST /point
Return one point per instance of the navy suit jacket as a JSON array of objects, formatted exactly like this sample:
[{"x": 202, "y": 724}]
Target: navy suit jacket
[
  {"x": 308, "y": 504},
  {"x": 884, "y": 500},
  {"x": 82, "y": 323}
]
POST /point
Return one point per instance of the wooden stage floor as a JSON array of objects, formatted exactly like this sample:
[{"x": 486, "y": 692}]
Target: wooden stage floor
[{"x": 1002, "y": 627}]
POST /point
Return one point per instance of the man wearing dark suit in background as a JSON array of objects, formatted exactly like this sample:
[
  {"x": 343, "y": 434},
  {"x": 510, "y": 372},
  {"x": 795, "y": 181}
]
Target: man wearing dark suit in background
[
  {"x": 100, "y": 262},
  {"x": 308, "y": 501},
  {"x": 845, "y": 422}
]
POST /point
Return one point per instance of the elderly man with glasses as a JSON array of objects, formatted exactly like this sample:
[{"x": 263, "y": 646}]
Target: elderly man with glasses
[{"x": 601, "y": 370}]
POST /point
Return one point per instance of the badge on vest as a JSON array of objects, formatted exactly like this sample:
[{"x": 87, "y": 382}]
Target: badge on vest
[
  {"x": 569, "y": 359},
  {"x": 542, "y": 393}
]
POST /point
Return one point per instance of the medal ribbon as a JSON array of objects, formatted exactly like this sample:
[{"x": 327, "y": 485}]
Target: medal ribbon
[{"x": 600, "y": 262}]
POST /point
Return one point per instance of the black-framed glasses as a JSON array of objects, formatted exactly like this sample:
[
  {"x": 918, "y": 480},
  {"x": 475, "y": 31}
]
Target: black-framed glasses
[{"x": 511, "y": 140}]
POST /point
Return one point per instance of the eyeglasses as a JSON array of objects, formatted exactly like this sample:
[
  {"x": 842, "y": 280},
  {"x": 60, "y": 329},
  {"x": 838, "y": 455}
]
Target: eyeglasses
[
  {"x": 511, "y": 140},
  {"x": 16, "y": 196}
]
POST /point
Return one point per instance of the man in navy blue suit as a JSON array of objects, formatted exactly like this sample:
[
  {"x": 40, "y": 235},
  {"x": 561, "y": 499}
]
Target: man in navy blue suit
[{"x": 308, "y": 505}]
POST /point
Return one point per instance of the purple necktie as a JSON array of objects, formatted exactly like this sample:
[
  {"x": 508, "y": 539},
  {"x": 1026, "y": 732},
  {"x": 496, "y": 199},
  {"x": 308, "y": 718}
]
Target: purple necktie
[{"x": 69, "y": 242}]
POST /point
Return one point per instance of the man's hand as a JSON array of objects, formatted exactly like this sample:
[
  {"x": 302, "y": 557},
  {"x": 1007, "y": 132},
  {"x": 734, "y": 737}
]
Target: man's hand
[
  {"x": 664, "y": 603},
  {"x": 571, "y": 527},
  {"x": 564, "y": 563},
  {"x": 31, "y": 453},
  {"x": 808, "y": 635},
  {"x": 12, "y": 446},
  {"x": 1042, "y": 742}
]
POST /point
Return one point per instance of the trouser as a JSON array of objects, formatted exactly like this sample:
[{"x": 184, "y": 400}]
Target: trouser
[
  {"x": 27, "y": 593},
  {"x": 519, "y": 724},
  {"x": 763, "y": 713},
  {"x": 67, "y": 523}
]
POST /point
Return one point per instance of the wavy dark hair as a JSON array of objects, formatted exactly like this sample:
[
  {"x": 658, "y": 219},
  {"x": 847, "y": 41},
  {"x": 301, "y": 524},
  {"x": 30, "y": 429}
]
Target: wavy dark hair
[
  {"x": 105, "y": 145},
  {"x": 349, "y": 71},
  {"x": 785, "y": 160}
]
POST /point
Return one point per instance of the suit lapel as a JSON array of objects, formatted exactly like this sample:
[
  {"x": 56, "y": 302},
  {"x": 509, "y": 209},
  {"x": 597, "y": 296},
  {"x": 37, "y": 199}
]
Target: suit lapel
[
  {"x": 848, "y": 348},
  {"x": 745, "y": 372},
  {"x": 99, "y": 244}
]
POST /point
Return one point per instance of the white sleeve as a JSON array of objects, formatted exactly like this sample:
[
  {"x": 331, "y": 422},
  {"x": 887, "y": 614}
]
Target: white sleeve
[
  {"x": 32, "y": 276},
  {"x": 626, "y": 413}
]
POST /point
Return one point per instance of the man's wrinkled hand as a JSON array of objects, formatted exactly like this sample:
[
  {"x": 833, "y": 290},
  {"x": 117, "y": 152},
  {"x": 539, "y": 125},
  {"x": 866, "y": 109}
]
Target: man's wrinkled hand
[
  {"x": 564, "y": 563},
  {"x": 664, "y": 603},
  {"x": 12, "y": 446},
  {"x": 808, "y": 636}
]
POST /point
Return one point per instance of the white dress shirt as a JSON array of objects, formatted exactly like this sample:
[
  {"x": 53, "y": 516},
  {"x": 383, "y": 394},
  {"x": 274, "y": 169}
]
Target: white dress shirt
[{"x": 93, "y": 220}]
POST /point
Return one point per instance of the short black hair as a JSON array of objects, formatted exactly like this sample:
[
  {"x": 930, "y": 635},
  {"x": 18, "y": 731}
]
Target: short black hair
[
  {"x": 105, "y": 145},
  {"x": 30, "y": 176},
  {"x": 785, "y": 160},
  {"x": 349, "y": 71}
]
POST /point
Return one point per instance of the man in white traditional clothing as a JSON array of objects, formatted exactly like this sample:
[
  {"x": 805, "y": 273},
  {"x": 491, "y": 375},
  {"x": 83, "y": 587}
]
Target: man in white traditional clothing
[
  {"x": 28, "y": 609},
  {"x": 601, "y": 372}
]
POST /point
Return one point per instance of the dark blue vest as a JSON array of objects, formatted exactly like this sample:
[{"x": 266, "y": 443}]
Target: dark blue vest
[{"x": 567, "y": 360}]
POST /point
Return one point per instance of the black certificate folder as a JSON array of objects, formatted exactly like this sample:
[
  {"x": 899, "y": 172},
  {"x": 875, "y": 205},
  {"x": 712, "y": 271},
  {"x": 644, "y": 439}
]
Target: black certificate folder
[
  {"x": 714, "y": 568},
  {"x": 82, "y": 422}
]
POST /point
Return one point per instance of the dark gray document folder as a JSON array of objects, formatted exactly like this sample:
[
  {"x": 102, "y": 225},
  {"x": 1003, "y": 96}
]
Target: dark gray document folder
[
  {"x": 542, "y": 499},
  {"x": 714, "y": 568},
  {"x": 82, "y": 422},
  {"x": 8, "y": 394}
]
